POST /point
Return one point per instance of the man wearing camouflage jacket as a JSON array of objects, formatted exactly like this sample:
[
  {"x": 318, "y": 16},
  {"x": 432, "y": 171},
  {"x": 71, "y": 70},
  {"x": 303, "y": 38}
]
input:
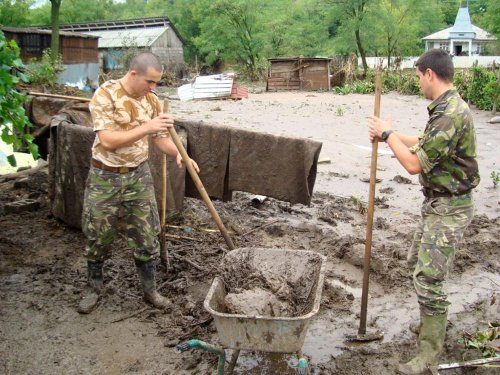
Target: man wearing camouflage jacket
[
  {"x": 126, "y": 114},
  {"x": 445, "y": 157}
]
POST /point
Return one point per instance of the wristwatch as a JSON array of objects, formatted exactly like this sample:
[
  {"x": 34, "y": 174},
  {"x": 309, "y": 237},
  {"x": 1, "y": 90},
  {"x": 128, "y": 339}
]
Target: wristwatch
[{"x": 386, "y": 134}]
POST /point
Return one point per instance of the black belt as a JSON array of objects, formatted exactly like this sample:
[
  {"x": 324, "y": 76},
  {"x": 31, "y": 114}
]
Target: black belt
[
  {"x": 100, "y": 165},
  {"x": 438, "y": 194}
]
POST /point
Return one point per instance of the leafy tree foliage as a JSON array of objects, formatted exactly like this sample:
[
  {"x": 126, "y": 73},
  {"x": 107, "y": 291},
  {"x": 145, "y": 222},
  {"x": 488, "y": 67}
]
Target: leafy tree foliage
[
  {"x": 14, "y": 12},
  {"x": 13, "y": 119},
  {"x": 248, "y": 32}
]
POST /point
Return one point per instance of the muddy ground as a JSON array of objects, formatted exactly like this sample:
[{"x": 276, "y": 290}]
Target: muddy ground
[{"x": 42, "y": 271}]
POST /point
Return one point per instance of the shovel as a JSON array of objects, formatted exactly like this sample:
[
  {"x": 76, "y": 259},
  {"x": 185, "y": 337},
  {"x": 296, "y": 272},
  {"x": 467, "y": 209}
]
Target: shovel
[
  {"x": 201, "y": 188},
  {"x": 362, "y": 335}
]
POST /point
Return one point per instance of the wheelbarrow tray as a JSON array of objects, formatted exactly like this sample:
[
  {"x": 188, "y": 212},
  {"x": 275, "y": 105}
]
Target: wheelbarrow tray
[{"x": 264, "y": 333}]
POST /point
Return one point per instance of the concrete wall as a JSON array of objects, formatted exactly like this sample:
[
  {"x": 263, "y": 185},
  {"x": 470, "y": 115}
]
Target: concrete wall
[{"x": 458, "y": 61}]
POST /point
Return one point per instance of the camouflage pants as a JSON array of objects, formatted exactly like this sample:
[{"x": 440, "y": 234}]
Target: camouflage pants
[
  {"x": 431, "y": 255},
  {"x": 112, "y": 196}
]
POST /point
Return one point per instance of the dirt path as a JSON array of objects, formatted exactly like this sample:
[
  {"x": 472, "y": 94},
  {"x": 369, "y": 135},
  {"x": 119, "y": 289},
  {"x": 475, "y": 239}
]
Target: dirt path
[{"x": 42, "y": 271}]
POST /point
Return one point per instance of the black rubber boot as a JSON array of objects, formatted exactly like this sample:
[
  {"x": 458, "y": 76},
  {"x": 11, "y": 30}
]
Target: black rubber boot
[
  {"x": 146, "y": 271},
  {"x": 94, "y": 281}
]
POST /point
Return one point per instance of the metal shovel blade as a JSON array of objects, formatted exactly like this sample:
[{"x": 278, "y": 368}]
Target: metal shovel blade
[{"x": 365, "y": 337}]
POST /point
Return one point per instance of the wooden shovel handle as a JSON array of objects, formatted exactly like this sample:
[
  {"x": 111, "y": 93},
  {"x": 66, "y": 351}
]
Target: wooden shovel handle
[
  {"x": 200, "y": 187},
  {"x": 371, "y": 208}
]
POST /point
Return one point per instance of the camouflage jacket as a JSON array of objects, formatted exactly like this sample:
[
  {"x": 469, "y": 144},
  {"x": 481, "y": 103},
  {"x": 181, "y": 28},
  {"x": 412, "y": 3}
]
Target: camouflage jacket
[
  {"x": 447, "y": 148},
  {"x": 112, "y": 108}
]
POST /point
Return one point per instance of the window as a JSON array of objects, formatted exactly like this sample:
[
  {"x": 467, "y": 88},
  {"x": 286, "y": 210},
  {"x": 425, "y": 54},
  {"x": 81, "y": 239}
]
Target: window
[{"x": 444, "y": 46}]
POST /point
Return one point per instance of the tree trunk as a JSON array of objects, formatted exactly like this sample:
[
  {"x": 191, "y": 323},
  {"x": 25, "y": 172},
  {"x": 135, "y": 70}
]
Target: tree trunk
[
  {"x": 361, "y": 52},
  {"x": 54, "y": 41}
]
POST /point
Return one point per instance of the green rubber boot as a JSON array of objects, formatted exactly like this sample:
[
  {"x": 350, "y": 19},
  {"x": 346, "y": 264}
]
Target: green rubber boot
[
  {"x": 95, "y": 282},
  {"x": 430, "y": 344},
  {"x": 146, "y": 271}
]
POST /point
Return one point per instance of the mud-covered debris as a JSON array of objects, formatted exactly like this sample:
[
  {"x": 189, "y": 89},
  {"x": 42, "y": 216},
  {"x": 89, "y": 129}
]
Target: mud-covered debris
[{"x": 401, "y": 180}]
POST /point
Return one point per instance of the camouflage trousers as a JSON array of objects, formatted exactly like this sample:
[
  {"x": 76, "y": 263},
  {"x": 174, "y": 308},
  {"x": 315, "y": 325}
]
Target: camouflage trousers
[
  {"x": 110, "y": 197},
  {"x": 431, "y": 255}
]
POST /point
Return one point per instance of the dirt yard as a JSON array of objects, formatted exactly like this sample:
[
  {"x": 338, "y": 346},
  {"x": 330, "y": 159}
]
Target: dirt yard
[{"x": 42, "y": 270}]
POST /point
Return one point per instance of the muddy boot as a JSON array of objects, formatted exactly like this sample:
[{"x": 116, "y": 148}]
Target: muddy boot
[
  {"x": 146, "y": 271},
  {"x": 430, "y": 344},
  {"x": 94, "y": 280}
]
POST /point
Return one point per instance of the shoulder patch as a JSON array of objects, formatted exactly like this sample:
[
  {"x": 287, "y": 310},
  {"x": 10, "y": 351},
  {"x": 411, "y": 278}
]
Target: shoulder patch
[{"x": 441, "y": 107}]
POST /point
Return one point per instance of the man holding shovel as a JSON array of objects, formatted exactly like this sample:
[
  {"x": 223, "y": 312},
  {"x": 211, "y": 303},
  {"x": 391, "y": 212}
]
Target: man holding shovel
[
  {"x": 445, "y": 157},
  {"x": 125, "y": 113}
]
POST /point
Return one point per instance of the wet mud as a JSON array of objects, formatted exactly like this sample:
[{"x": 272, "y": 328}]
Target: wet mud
[{"x": 43, "y": 273}]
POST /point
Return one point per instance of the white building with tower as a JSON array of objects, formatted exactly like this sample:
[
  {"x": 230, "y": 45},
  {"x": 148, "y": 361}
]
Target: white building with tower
[{"x": 462, "y": 39}]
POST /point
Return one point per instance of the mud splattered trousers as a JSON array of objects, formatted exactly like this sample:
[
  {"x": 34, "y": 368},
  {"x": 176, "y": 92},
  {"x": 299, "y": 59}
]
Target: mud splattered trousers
[
  {"x": 110, "y": 197},
  {"x": 431, "y": 255}
]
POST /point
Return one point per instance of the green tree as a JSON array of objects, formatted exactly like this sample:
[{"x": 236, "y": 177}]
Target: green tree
[
  {"x": 231, "y": 31},
  {"x": 13, "y": 119},
  {"x": 490, "y": 17},
  {"x": 14, "y": 12},
  {"x": 401, "y": 25},
  {"x": 351, "y": 16}
]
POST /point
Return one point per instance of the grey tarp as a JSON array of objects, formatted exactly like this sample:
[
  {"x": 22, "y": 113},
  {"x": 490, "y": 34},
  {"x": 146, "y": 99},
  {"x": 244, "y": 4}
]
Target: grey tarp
[
  {"x": 229, "y": 159},
  {"x": 208, "y": 145},
  {"x": 280, "y": 167}
]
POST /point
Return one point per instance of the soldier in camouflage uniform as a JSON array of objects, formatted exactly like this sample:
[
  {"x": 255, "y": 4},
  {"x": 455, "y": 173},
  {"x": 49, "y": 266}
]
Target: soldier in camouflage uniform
[
  {"x": 125, "y": 113},
  {"x": 445, "y": 157}
]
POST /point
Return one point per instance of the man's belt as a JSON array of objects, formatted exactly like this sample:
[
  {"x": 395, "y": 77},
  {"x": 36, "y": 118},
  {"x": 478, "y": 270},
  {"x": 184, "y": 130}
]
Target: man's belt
[
  {"x": 100, "y": 165},
  {"x": 438, "y": 194}
]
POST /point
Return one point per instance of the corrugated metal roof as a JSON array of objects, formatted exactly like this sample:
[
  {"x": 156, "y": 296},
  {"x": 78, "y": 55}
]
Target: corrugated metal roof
[
  {"x": 126, "y": 38},
  {"x": 34, "y": 30},
  {"x": 207, "y": 87},
  {"x": 445, "y": 34}
]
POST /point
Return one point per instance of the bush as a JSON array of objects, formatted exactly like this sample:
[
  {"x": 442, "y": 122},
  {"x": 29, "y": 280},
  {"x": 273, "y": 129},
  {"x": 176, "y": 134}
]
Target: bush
[
  {"x": 45, "y": 71},
  {"x": 13, "y": 119},
  {"x": 478, "y": 86}
]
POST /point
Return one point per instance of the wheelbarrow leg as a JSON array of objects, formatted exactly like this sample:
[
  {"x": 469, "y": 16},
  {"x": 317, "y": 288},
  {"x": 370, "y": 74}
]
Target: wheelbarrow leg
[{"x": 232, "y": 363}]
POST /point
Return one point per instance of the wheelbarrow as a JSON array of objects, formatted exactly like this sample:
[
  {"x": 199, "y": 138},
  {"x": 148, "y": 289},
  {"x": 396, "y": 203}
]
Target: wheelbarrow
[{"x": 303, "y": 269}]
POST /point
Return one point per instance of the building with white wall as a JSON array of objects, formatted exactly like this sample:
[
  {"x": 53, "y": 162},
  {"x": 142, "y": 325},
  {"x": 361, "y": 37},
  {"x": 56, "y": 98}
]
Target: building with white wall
[{"x": 462, "y": 39}]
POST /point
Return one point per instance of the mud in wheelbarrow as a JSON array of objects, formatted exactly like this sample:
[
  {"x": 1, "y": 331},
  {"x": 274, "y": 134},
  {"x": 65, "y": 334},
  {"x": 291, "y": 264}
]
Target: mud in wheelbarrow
[{"x": 301, "y": 269}]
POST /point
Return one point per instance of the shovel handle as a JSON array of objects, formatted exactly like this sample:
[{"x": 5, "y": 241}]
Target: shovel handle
[
  {"x": 200, "y": 187},
  {"x": 371, "y": 208},
  {"x": 164, "y": 179},
  {"x": 163, "y": 205}
]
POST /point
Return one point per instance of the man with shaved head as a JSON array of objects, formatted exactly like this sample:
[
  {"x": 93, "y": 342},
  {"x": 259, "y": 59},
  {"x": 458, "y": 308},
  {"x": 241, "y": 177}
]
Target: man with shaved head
[{"x": 126, "y": 114}]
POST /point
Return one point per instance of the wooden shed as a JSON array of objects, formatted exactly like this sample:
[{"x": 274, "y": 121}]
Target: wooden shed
[
  {"x": 298, "y": 73},
  {"x": 80, "y": 55},
  {"x": 155, "y": 34}
]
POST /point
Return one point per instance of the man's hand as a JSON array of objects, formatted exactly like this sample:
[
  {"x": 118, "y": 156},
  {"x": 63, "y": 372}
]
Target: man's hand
[
  {"x": 160, "y": 123},
  {"x": 377, "y": 126},
  {"x": 179, "y": 161}
]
